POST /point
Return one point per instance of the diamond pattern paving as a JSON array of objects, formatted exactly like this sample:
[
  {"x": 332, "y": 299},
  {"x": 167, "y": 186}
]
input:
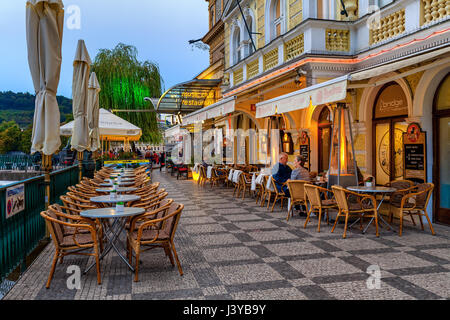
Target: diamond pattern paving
[{"x": 234, "y": 249}]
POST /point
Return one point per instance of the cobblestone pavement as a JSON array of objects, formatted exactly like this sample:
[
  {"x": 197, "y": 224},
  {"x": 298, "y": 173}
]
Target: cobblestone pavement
[{"x": 233, "y": 249}]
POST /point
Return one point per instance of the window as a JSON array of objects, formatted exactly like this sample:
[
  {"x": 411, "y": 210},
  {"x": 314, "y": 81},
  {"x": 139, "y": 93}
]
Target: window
[
  {"x": 218, "y": 11},
  {"x": 249, "y": 49},
  {"x": 236, "y": 45},
  {"x": 211, "y": 16},
  {"x": 276, "y": 21}
]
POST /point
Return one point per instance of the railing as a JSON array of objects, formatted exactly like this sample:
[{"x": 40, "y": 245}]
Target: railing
[
  {"x": 21, "y": 233},
  {"x": 15, "y": 162}
]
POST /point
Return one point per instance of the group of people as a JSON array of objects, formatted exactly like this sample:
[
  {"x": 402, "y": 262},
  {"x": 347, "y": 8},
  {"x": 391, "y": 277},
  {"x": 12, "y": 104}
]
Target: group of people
[{"x": 282, "y": 172}]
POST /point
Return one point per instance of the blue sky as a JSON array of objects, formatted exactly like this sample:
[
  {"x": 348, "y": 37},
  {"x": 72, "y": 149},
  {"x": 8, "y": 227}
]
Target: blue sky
[{"x": 160, "y": 30}]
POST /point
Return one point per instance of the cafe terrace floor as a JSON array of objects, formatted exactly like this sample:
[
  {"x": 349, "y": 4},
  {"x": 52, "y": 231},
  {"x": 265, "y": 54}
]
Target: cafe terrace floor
[{"x": 233, "y": 249}]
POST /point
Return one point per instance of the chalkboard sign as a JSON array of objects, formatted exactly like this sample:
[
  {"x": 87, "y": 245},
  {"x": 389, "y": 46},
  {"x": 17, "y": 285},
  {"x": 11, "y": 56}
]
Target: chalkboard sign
[
  {"x": 414, "y": 157},
  {"x": 415, "y": 153},
  {"x": 305, "y": 148}
]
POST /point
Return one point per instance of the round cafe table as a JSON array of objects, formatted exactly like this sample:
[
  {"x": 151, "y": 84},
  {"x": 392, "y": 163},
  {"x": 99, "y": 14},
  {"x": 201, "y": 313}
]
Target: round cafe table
[
  {"x": 112, "y": 230},
  {"x": 375, "y": 190},
  {"x": 119, "y": 198},
  {"x": 119, "y": 190},
  {"x": 120, "y": 184}
]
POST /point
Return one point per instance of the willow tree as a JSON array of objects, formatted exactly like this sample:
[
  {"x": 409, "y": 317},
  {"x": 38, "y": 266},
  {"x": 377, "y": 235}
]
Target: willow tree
[{"x": 125, "y": 82}]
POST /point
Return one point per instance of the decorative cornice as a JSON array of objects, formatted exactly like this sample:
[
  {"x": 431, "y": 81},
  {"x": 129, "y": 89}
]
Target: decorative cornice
[{"x": 218, "y": 28}]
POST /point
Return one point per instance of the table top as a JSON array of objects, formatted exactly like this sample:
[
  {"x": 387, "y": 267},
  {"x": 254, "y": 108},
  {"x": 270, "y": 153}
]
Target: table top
[
  {"x": 120, "y": 184},
  {"x": 111, "y": 213},
  {"x": 122, "y": 179},
  {"x": 371, "y": 189},
  {"x": 119, "y": 198},
  {"x": 124, "y": 189}
]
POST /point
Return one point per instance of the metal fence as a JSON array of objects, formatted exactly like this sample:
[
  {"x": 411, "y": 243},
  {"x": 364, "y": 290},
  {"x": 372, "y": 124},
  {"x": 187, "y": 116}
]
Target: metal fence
[{"x": 21, "y": 233}]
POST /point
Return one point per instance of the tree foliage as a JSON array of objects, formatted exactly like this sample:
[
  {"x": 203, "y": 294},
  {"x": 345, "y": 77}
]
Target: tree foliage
[
  {"x": 12, "y": 138},
  {"x": 19, "y": 107},
  {"x": 125, "y": 82}
]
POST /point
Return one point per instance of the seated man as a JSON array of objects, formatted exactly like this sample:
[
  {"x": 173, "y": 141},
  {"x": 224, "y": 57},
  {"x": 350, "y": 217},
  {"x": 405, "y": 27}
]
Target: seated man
[{"x": 281, "y": 173}]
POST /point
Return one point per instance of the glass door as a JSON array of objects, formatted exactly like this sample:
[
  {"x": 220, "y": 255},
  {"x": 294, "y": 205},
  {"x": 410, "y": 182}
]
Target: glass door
[
  {"x": 389, "y": 150},
  {"x": 443, "y": 183}
]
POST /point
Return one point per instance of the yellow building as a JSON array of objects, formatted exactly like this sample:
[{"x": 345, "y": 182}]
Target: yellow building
[{"x": 287, "y": 63}]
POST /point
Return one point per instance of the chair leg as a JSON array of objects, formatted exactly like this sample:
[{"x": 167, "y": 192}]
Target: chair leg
[
  {"x": 320, "y": 219},
  {"x": 412, "y": 218},
  {"x": 274, "y": 201},
  {"x": 52, "y": 269},
  {"x": 169, "y": 254},
  {"x": 419, "y": 215},
  {"x": 172, "y": 246},
  {"x": 376, "y": 223},
  {"x": 289, "y": 211},
  {"x": 136, "y": 269},
  {"x": 345, "y": 226},
  {"x": 97, "y": 262},
  {"x": 401, "y": 225},
  {"x": 335, "y": 222},
  {"x": 308, "y": 217},
  {"x": 429, "y": 222}
]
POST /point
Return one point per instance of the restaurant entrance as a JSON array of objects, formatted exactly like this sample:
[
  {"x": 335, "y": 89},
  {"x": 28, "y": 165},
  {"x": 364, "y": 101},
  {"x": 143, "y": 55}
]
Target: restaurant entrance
[
  {"x": 388, "y": 126},
  {"x": 441, "y": 118}
]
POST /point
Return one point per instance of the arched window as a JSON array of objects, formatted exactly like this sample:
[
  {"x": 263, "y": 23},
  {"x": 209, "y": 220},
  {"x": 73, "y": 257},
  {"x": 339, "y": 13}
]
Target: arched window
[
  {"x": 249, "y": 49},
  {"x": 236, "y": 45},
  {"x": 276, "y": 19}
]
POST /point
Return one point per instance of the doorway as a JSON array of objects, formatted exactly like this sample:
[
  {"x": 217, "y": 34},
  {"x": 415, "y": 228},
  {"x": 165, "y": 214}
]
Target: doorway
[
  {"x": 389, "y": 124},
  {"x": 441, "y": 134}
]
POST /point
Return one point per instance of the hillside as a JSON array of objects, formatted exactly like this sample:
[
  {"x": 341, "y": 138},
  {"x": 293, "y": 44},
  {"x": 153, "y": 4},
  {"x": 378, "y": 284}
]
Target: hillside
[{"x": 20, "y": 107}]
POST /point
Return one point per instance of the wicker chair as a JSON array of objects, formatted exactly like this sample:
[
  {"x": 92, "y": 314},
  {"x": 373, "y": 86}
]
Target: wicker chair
[
  {"x": 279, "y": 195},
  {"x": 317, "y": 204},
  {"x": 245, "y": 183},
  {"x": 297, "y": 192},
  {"x": 414, "y": 202},
  {"x": 156, "y": 229},
  {"x": 361, "y": 208},
  {"x": 67, "y": 244},
  {"x": 218, "y": 175}
]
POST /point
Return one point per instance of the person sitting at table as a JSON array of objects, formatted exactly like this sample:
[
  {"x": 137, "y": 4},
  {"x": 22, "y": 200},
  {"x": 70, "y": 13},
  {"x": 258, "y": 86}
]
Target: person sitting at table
[
  {"x": 300, "y": 172},
  {"x": 281, "y": 173}
]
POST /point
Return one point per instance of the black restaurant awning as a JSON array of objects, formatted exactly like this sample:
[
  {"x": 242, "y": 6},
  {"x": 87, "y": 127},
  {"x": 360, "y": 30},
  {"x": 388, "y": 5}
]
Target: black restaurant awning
[{"x": 188, "y": 97}]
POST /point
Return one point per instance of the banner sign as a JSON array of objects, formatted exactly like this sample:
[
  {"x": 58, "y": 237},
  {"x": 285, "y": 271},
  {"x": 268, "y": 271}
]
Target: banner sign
[{"x": 15, "y": 200}]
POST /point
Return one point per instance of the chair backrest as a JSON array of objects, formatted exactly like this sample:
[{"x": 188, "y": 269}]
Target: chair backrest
[
  {"x": 423, "y": 195},
  {"x": 401, "y": 184},
  {"x": 341, "y": 197},
  {"x": 56, "y": 229},
  {"x": 312, "y": 194},
  {"x": 171, "y": 223},
  {"x": 297, "y": 189}
]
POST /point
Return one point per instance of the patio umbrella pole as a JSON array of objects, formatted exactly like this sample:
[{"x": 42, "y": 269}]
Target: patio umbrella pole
[
  {"x": 80, "y": 165},
  {"x": 47, "y": 166}
]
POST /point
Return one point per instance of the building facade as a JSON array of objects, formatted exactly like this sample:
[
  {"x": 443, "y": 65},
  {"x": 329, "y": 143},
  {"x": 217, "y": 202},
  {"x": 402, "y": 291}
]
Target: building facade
[{"x": 287, "y": 63}]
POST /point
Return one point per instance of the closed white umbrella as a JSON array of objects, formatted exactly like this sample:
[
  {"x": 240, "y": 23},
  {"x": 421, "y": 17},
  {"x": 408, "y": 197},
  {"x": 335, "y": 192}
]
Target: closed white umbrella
[
  {"x": 81, "y": 67},
  {"x": 93, "y": 113},
  {"x": 44, "y": 26}
]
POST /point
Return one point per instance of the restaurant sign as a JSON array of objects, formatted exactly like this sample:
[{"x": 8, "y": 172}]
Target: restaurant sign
[
  {"x": 15, "y": 200},
  {"x": 415, "y": 153},
  {"x": 391, "y": 102}
]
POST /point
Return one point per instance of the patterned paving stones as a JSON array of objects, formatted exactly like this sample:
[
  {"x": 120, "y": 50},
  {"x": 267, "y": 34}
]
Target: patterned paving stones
[{"x": 234, "y": 249}]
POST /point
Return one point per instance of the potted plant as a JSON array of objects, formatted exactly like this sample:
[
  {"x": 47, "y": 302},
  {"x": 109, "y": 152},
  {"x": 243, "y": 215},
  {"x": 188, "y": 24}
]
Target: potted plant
[
  {"x": 120, "y": 206},
  {"x": 369, "y": 182}
]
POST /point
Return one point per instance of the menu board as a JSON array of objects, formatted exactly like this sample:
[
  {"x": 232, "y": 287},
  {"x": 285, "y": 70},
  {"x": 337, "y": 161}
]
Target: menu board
[
  {"x": 414, "y": 151},
  {"x": 305, "y": 148}
]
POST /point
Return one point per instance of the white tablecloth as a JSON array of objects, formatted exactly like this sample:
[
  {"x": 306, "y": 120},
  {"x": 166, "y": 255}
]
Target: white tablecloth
[
  {"x": 257, "y": 179},
  {"x": 209, "y": 172},
  {"x": 230, "y": 175},
  {"x": 236, "y": 175}
]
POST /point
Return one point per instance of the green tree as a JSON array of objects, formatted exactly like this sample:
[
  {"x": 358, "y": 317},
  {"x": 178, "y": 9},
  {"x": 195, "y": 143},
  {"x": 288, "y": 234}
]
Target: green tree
[
  {"x": 10, "y": 137},
  {"x": 125, "y": 82}
]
